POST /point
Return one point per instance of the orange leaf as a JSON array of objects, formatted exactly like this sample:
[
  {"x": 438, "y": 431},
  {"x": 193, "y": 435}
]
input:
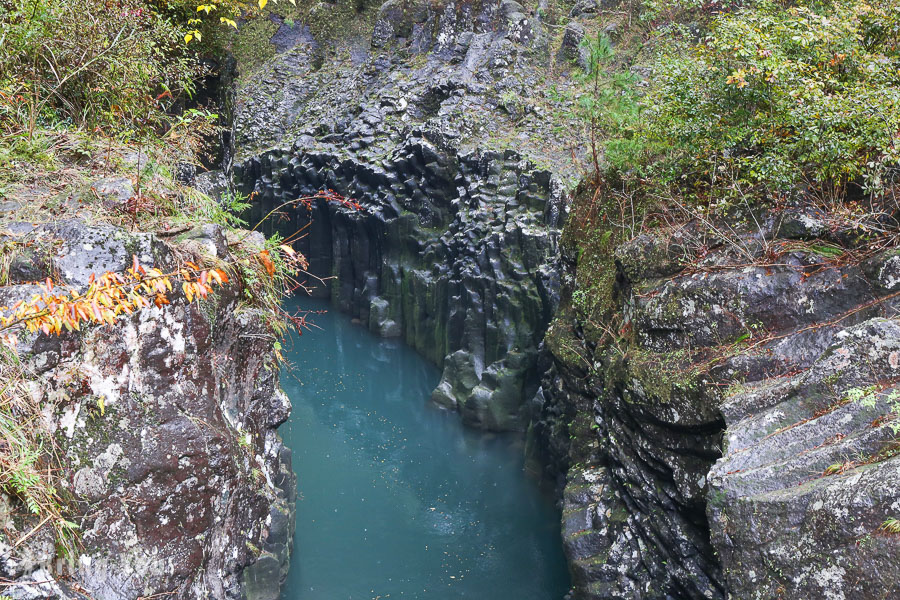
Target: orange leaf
[{"x": 267, "y": 262}]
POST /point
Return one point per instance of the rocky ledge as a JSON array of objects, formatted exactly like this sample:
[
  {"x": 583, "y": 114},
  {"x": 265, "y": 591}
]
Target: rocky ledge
[
  {"x": 731, "y": 421},
  {"x": 165, "y": 427}
]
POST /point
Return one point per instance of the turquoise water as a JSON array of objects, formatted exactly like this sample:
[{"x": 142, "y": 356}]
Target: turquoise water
[{"x": 396, "y": 498}]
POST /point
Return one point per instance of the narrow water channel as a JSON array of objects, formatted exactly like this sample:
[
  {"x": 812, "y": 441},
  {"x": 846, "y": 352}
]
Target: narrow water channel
[{"x": 396, "y": 498}]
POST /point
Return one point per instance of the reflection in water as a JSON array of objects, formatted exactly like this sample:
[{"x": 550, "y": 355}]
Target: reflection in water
[{"x": 397, "y": 499}]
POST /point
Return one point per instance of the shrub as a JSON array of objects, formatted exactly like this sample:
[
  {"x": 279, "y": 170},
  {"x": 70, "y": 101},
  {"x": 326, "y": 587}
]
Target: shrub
[
  {"x": 773, "y": 97},
  {"x": 114, "y": 65}
]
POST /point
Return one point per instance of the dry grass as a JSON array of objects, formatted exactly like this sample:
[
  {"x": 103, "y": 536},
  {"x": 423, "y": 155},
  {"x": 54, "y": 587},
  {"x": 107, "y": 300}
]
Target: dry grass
[
  {"x": 50, "y": 178},
  {"x": 27, "y": 453}
]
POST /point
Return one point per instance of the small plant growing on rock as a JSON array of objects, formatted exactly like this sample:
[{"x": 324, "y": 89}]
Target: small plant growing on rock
[
  {"x": 869, "y": 396},
  {"x": 890, "y": 526},
  {"x": 22, "y": 470}
]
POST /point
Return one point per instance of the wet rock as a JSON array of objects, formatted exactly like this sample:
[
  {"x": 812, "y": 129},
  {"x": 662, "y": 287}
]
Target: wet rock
[
  {"x": 460, "y": 377},
  {"x": 114, "y": 191},
  {"x": 289, "y": 36},
  {"x": 495, "y": 403},
  {"x": 212, "y": 183},
  {"x": 454, "y": 249},
  {"x": 380, "y": 321},
  {"x": 86, "y": 250},
  {"x": 612, "y": 32},
  {"x": 649, "y": 257},
  {"x": 884, "y": 270},
  {"x": 28, "y": 265},
  {"x": 583, "y": 7},
  {"x": 719, "y": 355},
  {"x": 807, "y": 223},
  {"x": 807, "y": 479},
  {"x": 572, "y": 47},
  {"x": 207, "y": 239}
]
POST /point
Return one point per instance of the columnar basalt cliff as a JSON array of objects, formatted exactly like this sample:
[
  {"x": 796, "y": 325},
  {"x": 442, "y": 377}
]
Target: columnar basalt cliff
[
  {"x": 455, "y": 247},
  {"x": 166, "y": 427}
]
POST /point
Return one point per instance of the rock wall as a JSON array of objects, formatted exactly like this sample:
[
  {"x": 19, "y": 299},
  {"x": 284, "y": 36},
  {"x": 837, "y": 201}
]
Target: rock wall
[
  {"x": 455, "y": 247},
  {"x": 720, "y": 447},
  {"x": 166, "y": 425},
  {"x": 697, "y": 422}
]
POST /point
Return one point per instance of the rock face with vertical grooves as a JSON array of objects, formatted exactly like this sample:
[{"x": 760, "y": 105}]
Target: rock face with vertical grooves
[
  {"x": 455, "y": 247},
  {"x": 690, "y": 422}
]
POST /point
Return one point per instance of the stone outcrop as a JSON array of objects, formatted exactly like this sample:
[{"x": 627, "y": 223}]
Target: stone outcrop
[
  {"x": 165, "y": 425},
  {"x": 731, "y": 426},
  {"x": 423, "y": 119},
  {"x": 798, "y": 504}
]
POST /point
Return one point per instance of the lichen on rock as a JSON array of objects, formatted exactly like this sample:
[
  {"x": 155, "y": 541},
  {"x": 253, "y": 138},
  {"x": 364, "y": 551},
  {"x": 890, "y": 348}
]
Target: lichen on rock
[
  {"x": 165, "y": 435},
  {"x": 714, "y": 442}
]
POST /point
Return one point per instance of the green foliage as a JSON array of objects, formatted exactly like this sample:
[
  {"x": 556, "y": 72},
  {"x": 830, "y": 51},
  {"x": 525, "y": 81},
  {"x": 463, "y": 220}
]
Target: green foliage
[
  {"x": 773, "y": 97},
  {"x": 890, "y": 526},
  {"x": 869, "y": 397},
  {"x": 654, "y": 10},
  {"x": 19, "y": 150},
  {"x": 86, "y": 63},
  {"x": 228, "y": 211},
  {"x": 609, "y": 103},
  {"x": 866, "y": 396}
]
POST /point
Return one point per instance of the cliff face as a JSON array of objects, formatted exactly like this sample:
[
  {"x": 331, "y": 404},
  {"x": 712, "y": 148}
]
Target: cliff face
[
  {"x": 720, "y": 447},
  {"x": 695, "y": 393},
  {"x": 424, "y": 119},
  {"x": 165, "y": 425}
]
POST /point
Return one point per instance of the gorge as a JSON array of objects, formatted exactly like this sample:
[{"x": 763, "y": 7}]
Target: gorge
[
  {"x": 649, "y": 408},
  {"x": 542, "y": 379}
]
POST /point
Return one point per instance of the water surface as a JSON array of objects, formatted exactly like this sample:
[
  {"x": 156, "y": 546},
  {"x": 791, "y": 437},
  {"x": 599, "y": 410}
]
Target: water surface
[{"x": 396, "y": 498}]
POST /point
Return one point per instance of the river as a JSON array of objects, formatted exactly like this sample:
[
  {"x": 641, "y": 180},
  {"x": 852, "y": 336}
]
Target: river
[{"x": 397, "y": 499}]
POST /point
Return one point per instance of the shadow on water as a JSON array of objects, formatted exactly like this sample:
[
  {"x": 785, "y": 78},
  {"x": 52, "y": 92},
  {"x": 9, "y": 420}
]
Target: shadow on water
[{"x": 396, "y": 498}]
